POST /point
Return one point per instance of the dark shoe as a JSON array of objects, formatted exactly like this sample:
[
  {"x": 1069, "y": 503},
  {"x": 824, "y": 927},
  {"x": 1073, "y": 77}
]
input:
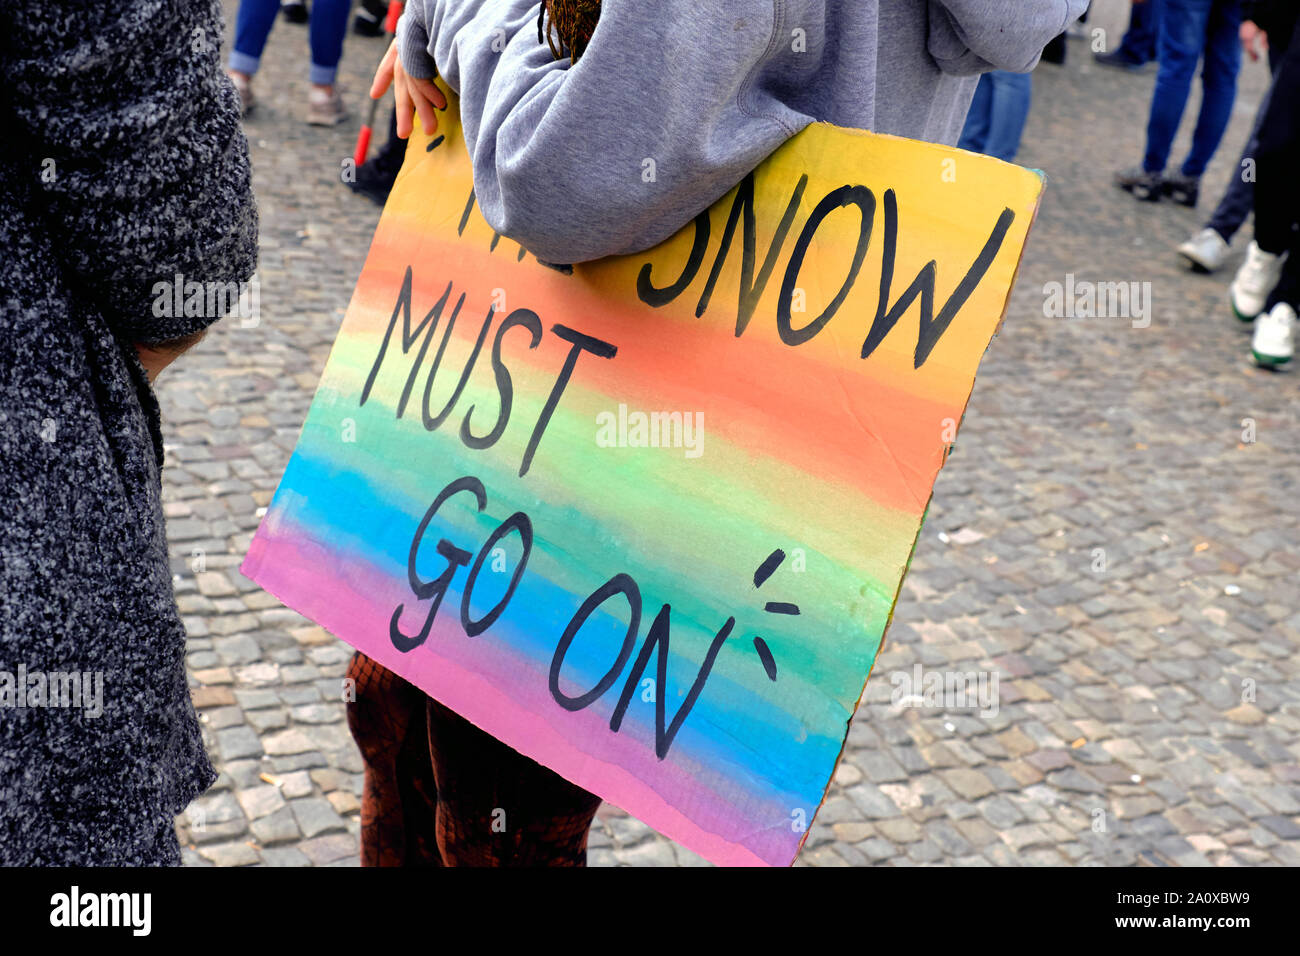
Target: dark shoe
[
  {"x": 295, "y": 11},
  {"x": 1184, "y": 190},
  {"x": 1142, "y": 184},
  {"x": 369, "y": 20},
  {"x": 363, "y": 26},
  {"x": 1118, "y": 59},
  {"x": 374, "y": 182}
]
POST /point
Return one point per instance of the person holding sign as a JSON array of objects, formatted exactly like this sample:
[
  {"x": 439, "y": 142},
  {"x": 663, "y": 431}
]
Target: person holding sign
[{"x": 601, "y": 129}]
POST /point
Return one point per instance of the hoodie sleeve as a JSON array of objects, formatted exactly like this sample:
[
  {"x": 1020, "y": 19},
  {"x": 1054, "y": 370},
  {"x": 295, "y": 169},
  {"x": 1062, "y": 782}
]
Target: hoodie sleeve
[
  {"x": 632, "y": 150},
  {"x": 973, "y": 36},
  {"x": 127, "y": 134}
]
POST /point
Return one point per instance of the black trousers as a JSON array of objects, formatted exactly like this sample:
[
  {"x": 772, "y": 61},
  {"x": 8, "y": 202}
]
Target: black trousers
[{"x": 1277, "y": 177}]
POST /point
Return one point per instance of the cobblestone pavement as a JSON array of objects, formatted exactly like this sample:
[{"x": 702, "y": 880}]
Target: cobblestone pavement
[{"x": 1106, "y": 539}]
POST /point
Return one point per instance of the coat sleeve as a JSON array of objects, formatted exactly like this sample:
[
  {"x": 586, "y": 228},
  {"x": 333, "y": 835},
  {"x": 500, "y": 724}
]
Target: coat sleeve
[
  {"x": 610, "y": 155},
  {"x": 973, "y": 36},
  {"x": 128, "y": 132}
]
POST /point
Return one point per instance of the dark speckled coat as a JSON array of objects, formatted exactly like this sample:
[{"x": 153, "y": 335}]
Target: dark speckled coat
[{"x": 122, "y": 163}]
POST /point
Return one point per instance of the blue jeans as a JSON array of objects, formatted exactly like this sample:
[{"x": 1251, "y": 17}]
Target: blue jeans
[
  {"x": 1190, "y": 30},
  {"x": 1143, "y": 34},
  {"x": 329, "y": 22},
  {"x": 997, "y": 115}
]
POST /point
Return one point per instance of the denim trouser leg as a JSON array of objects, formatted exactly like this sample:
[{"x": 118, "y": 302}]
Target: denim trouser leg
[
  {"x": 1139, "y": 43},
  {"x": 1182, "y": 38},
  {"x": 253, "y": 25},
  {"x": 1218, "y": 83},
  {"x": 1009, "y": 113},
  {"x": 997, "y": 115},
  {"x": 976, "y": 131},
  {"x": 329, "y": 22}
]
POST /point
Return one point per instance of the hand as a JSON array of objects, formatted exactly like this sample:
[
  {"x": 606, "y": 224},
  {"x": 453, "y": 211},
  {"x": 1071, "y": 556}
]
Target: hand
[
  {"x": 1250, "y": 33},
  {"x": 420, "y": 96},
  {"x": 158, "y": 355}
]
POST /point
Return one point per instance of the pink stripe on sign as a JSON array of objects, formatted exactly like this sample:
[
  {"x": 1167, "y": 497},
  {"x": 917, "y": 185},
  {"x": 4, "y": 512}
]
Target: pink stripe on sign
[{"x": 284, "y": 561}]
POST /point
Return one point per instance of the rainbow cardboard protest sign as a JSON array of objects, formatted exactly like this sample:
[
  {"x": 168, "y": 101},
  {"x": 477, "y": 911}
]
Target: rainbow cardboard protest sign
[{"x": 645, "y": 520}]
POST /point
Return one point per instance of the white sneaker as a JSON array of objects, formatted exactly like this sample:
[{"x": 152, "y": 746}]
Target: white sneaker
[
  {"x": 1274, "y": 339},
  {"x": 1205, "y": 251},
  {"x": 1254, "y": 281}
]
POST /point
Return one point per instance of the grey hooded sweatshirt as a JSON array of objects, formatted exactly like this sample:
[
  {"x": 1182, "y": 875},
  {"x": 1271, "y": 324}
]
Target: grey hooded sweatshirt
[{"x": 704, "y": 88}]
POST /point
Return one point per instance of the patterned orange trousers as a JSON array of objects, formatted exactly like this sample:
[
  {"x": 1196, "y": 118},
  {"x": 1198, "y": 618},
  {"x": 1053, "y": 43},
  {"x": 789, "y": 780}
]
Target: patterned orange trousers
[{"x": 441, "y": 792}]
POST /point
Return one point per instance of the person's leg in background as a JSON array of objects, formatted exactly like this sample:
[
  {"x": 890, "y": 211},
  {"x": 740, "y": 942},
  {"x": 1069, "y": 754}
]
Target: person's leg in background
[
  {"x": 497, "y": 807},
  {"x": 975, "y": 133},
  {"x": 1057, "y": 47},
  {"x": 1139, "y": 45},
  {"x": 1275, "y": 253},
  {"x": 377, "y": 175},
  {"x": 1055, "y": 50},
  {"x": 1182, "y": 38},
  {"x": 253, "y": 24},
  {"x": 329, "y": 24},
  {"x": 1012, "y": 94},
  {"x": 1207, "y": 250},
  {"x": 369, "y": 21},
  {"x": 1222, "y": 63},
  {"x": 389, "y": 156}
]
